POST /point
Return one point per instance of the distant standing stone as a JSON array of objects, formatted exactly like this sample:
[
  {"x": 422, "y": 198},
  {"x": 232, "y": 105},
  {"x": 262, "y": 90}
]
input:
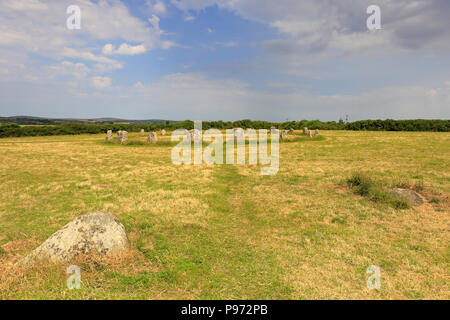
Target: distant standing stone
[
  {"x": 196, "y": 135},
  {"x": 152, "y": 138},
  {"x": 316, "y": 133},
  {"x": 98, "y": 232},
  {"x": 410, "y": 196},
  {"x": 142, "y": 132},
  {"x": 239, "y": 133},
  {"x": 310, "y": 134},
  {"x": 283, "y": 134},
  {"x": 291, "y": 130},
  {"x": 305, "y": 130},
  {"x": 163, "y": 132},
  {"x": 109, "y": 135}
]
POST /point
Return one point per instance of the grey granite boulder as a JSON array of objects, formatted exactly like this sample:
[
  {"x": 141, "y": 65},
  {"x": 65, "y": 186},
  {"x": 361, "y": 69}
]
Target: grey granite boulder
[
  {"x": 152, "y": 138},
  {"x": 410, "y": 196},
  {"x": 123, "y": 137},
  {"x": 93, "y": 233},
  {"x": 109, "y": 135}
]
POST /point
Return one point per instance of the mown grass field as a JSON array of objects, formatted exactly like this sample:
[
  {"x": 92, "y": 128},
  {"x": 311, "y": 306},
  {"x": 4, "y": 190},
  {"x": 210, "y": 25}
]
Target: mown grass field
[{"x": 225, "y": 231}]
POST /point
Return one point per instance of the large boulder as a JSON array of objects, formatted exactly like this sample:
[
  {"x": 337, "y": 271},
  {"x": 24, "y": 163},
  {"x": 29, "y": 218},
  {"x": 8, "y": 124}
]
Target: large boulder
[
  {"x": 93, "y": 233},
  {"x": 410, "y": 196}
]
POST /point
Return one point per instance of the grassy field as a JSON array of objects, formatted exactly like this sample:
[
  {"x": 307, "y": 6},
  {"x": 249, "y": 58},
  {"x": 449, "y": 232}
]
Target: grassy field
[{"x": 226, "y": 232}]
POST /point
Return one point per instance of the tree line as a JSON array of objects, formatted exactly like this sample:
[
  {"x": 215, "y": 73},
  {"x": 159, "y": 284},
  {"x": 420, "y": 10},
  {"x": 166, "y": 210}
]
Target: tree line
[{"x": 15, "y": 130}]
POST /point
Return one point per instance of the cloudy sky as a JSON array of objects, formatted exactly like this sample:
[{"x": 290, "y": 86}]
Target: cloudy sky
[{"x": 225, "y": 59}]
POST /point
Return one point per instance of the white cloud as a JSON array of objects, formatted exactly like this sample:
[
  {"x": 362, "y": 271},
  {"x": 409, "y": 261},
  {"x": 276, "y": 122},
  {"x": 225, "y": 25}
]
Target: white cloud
[
  {"x": 37, "y": 28},
  {"x": 189, "y": 18},
  {"x": 26, "y": 5},
  {"x": 108, "y": 49},
  {"x": 124, "y": 49},
  {"x": 210, "y": 30},
  {"x": 157, "y": 7},
  {"x": 167, "y": 44},
  {"x": 77, "y": 70},
  {"x": 183, "y": 96},
  {"x": 103, "y": 63},
  {"x": 321, "y": 25},
  {"x": 101, "y": 82},
  {"x": 195, "y": 96}
]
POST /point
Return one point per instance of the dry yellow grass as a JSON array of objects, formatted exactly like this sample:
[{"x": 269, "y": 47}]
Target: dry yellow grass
[{"x": 226, "y": 231}]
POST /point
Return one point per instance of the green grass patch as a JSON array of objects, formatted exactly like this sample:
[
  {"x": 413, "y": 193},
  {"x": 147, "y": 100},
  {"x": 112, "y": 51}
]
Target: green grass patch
[{"x": 363, "y": 185}]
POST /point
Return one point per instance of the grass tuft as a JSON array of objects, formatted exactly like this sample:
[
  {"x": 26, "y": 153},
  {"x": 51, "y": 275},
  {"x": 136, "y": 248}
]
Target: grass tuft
[
  {"x": 365, "y": 186},
  {"x": 362, "y": 183}
]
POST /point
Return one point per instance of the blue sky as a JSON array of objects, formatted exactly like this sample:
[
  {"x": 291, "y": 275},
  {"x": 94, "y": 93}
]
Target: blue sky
[{"x": 225, "y": 59}]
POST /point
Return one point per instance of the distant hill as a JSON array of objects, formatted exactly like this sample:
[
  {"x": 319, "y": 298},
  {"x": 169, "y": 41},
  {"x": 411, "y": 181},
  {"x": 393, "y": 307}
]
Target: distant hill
[{"x": 30, "y": 120}]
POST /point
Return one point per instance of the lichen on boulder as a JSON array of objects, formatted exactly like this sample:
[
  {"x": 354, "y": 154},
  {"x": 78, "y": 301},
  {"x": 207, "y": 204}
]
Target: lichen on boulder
[
  {"x": 93, "y": 233},
  {"x": 410, "y": 196}
]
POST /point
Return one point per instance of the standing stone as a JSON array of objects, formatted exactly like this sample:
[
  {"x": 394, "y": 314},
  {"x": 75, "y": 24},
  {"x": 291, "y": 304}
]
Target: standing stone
[
  {"x": 142, "y": 132},
  {"x": 163, "y": 132},
  {"x": 316, "y": 134},
  {"x": 310, "y": 135},
  {"x": 273, "y": 130},
  {"x": 305, "y": 130},
  {"x": 109, "y": 135},
  {"x": 196, "y": 135},
  {"x": 123, "y": 138},
  {"x": 97, "y": 232},
  {"x": 238, "y": 133},
  {"x": 119, "y": 133},
  {"x": 152, "y": 138},
  {"x": 291, "y": 130},
  {"x": 283, "y": 134}
]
